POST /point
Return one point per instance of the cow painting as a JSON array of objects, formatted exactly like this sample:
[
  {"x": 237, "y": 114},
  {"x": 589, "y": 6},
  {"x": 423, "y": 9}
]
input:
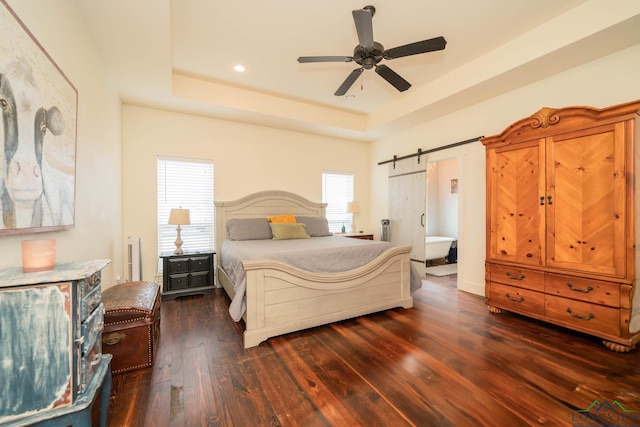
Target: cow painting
[
  {"x": 33, "y": 193},
  {"x": 37, "y": 134}
]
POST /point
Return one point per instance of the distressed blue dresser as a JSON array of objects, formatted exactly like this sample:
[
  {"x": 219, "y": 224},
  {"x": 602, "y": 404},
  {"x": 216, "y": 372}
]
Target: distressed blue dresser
[{"x": 51, "y": 325}]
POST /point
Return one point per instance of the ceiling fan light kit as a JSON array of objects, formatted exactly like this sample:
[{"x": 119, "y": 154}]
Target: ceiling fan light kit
[{"x": 368, "y": 53}]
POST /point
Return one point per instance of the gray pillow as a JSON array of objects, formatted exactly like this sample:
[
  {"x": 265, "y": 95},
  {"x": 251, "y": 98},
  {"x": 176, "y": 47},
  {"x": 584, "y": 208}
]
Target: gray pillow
[
  {"x": 317, "y": 226},
  {"x": 249, "y": 229}
]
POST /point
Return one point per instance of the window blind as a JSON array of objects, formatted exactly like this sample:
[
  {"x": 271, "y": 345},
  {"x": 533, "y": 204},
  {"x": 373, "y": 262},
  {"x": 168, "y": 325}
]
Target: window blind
[
  {"x": 186, "y": 184},
  {"x": 337, "y": 191}
]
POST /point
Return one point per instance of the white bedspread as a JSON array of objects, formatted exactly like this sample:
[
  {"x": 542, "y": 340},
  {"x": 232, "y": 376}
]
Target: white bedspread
[{"x": 319, "y": 254}]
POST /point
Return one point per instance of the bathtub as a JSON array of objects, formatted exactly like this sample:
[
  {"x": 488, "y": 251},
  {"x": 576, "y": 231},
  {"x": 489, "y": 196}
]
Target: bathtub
[{"x": 436, "y": 247}]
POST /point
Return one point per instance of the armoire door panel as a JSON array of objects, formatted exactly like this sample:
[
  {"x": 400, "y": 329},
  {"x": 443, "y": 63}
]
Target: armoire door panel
[
  {"x": 516, "y": 217},
  {"x": 585, "y": 214}
]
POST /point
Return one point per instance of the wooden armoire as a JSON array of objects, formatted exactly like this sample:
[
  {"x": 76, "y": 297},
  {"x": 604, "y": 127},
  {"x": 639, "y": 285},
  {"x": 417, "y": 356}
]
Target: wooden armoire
[{"x": 562, "y": 220}]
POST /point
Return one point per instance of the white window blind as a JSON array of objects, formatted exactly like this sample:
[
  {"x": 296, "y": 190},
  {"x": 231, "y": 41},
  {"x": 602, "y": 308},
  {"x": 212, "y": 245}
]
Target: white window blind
[
  {"x": 186, "y": 184},
  {"x": 337, "y": 191}
]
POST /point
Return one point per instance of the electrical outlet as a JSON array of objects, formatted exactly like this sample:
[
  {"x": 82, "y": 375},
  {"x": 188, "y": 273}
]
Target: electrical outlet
[{"x": 118, "y": 279}]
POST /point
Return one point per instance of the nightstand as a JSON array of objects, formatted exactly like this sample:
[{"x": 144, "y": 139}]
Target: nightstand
[
  {"x": 359, "y": 236},
  {"x": 187, "y": 274}
]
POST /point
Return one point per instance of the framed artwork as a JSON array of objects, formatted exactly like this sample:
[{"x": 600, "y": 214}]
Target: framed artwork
[
  {"x": 454, "y": 185},
  {"x": 38, "y": 134}
]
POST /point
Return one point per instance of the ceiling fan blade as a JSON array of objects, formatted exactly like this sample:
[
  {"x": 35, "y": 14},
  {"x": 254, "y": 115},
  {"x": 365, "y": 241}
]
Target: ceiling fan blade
[
  {"x": 392, "y": 77},
  {"x": 364, "y": 27},
  {"x": 350, "y": 80},
  {"x": 437, "y": 43},
  {"x": 306, "y": 59}
]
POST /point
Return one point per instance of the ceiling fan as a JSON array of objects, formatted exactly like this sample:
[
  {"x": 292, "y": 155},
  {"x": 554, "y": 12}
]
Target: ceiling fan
[{"x": 369, "y": 53}]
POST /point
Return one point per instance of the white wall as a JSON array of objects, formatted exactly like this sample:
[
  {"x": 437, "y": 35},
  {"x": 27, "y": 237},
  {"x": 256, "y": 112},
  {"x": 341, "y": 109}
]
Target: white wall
[
  {"x": 607, "y": 81},
  {"x": 448, "y": 200},
  {"x": 61, "y": 31},
  {"x": 246, "y": 159},
  {"x": 442, "y": 204}
]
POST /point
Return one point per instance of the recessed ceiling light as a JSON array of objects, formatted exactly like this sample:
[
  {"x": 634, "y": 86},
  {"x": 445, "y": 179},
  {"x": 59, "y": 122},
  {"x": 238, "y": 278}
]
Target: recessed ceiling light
[
  {"x": 350, "y": 96},
  {"x": 239, "y": 68}
]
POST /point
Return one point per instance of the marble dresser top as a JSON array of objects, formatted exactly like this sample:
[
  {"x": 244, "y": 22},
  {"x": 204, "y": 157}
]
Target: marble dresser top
[{"x": 63, "y": 272}]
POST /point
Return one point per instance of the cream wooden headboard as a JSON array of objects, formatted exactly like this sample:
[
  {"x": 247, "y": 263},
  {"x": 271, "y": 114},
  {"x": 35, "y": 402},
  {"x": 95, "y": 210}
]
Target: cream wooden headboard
[{"x": 262, "y": 205}]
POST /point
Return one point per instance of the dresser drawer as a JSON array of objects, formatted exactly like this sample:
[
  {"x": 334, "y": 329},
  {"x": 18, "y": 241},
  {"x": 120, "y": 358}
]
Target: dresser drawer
[
  {"x": 200, "y": 263},
  {"x": 178, "y": 265},
  {"x": 513, "y": 276},
  {"x": 89, "y": 303},
  {"x": 88, "y": 285},
  {"x": 587, "y": 290},
  {"x": 516, "y": 299},
  {"x": 88, "y": 365},
  {"x": 178, "y": 281},
  {"x": 199, "y": 279},
  {"x": 583, "y": 315},
  {"x": 92, "y": 329}
]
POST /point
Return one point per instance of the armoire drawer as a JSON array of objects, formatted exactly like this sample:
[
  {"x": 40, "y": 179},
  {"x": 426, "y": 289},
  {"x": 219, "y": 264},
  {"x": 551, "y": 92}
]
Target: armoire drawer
[
  {"x": 516, "y": 299},
  {"x": 583, "y": 315},
  {"x": 520, "y": 277},
  {"x": 587, "y": 290}
]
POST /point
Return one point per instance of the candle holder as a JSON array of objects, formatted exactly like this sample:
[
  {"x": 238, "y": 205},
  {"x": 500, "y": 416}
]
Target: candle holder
[{"x": 38, "y": 255}]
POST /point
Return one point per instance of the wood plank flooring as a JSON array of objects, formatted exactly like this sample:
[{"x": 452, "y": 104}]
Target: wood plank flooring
[{"x": 446, "y": 362}]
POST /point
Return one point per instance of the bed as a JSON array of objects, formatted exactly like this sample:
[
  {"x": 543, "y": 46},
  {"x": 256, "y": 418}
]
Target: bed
[{"x": 278, "y": 298}]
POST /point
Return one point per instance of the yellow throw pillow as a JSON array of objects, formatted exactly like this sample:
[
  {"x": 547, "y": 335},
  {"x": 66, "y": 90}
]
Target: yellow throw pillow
[
  {"x": 280, "y": 219},
  {"x": 288, "y": 231}
]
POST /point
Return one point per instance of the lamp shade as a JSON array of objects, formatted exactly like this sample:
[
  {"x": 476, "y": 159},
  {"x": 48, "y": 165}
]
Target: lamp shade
[
  {"x": 179, "y": 217},
  {"x": 353, "y": 207}
]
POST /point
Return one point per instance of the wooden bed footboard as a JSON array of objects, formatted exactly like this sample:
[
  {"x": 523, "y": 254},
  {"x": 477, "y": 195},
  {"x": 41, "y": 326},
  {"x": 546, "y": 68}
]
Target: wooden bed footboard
[{"x": 282, "y": 298}]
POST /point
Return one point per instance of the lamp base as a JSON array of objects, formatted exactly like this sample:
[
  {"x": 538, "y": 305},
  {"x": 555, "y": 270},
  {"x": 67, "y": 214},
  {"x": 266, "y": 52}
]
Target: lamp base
[{"x": 178, "y": 243}]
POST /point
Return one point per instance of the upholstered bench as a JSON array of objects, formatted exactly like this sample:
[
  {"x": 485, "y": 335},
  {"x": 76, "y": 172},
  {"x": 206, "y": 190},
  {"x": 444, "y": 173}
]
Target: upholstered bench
[{"x": 131, "y": 325}]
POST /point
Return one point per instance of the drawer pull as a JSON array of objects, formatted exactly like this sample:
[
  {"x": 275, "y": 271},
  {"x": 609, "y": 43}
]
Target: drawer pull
[
  {"x": 584, "y": 291},
  {"x": 580, "y": 316},
  {"x": 520, "y": 277},
  {"x": 113, "y": 339},
  {"x": 94, "y": 279},
  {"x": 96, "y": 360},
  {"x": 518, "y": 300}
]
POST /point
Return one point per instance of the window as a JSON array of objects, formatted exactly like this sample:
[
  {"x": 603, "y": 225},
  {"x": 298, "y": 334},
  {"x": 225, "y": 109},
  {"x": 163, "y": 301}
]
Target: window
[
  {"x": 337, "y": 191},
  {"x": 186, "y": 184}
]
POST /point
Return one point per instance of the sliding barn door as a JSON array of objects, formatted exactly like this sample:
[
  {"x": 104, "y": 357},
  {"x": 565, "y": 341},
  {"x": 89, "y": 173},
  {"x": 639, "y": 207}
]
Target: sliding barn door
[{"x": 408, "y": 206}]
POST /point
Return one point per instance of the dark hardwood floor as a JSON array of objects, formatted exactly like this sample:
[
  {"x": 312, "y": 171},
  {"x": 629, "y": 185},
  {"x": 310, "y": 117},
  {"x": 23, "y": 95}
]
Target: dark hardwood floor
[{"x": 446, "y": 362}]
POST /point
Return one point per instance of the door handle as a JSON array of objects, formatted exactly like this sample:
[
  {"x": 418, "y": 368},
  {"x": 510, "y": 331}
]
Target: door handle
[{"x": 422, "y": 220}]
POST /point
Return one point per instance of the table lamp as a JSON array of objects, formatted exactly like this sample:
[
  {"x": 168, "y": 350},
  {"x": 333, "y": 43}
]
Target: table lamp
[
  {"x": 353, "y": 208},
  {"x": 179, "y": 217}
]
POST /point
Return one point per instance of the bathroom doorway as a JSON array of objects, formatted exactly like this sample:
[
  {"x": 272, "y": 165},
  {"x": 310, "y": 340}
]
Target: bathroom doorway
[{"x": 442, "y": 216}]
